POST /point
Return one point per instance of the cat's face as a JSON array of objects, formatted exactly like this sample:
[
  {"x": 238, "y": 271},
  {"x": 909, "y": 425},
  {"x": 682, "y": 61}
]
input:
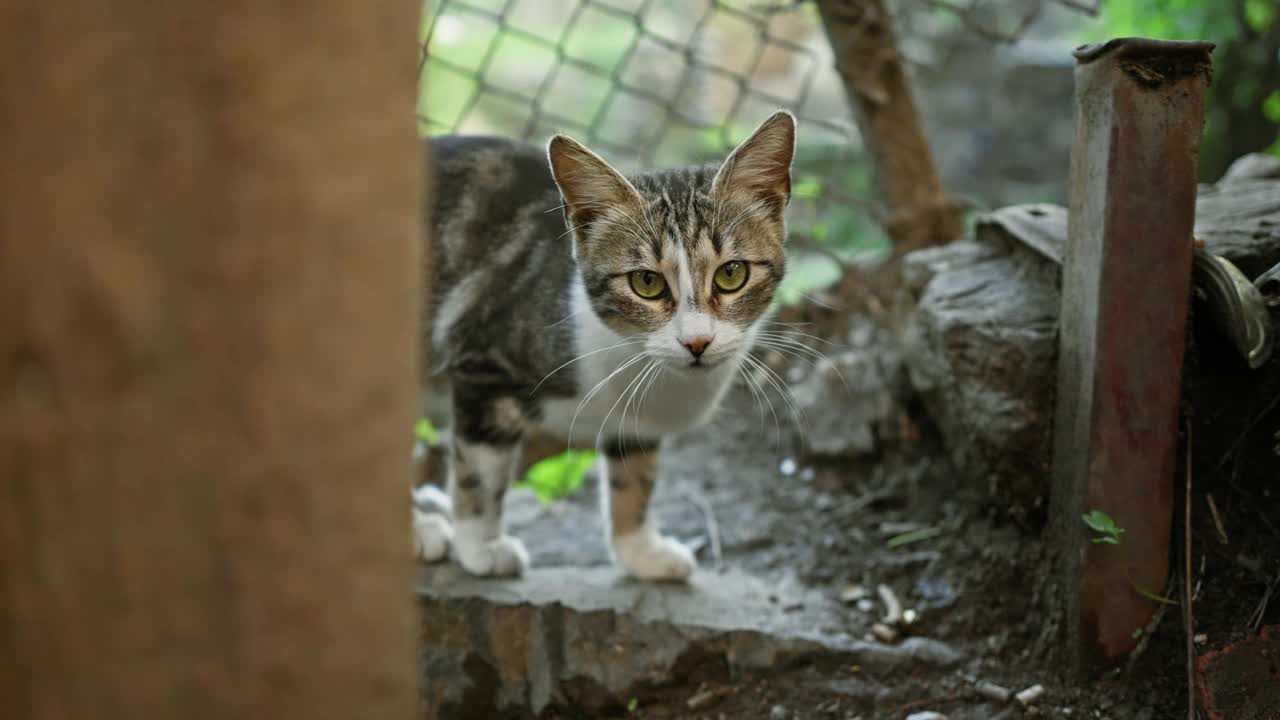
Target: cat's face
[{"x": 688, "y": 259}]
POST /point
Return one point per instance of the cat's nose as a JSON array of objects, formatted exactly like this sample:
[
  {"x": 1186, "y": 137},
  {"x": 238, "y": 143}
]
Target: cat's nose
[{"x": 697, "y": 344}]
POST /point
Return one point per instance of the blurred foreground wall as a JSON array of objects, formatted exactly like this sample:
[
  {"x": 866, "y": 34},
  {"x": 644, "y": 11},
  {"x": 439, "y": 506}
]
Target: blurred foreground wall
[{"x": 208, "y": 256}]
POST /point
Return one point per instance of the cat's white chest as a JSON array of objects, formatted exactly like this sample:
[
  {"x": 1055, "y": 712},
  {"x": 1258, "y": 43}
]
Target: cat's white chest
[{"x": 622, "y": 391}]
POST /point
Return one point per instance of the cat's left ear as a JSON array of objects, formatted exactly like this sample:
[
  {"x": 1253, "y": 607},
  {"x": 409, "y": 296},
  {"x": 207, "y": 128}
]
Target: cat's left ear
[{"x": 761, "y": 166}]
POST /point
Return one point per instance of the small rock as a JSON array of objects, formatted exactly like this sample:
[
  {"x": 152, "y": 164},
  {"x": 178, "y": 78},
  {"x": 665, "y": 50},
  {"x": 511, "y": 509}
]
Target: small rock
[
  {"x": 860, "y": 335},
  {"x": 1030, "y": 695},
  {"x": 884, "y": 633},
  {"x": 703, "y": 698},
  {"x": 992, "y": 691},
  {"x": 1254, "y": 166},
  {"x": 787, "y": 467},
  {"x": 936, "y": 592},
  {"x": 927, "y": 715},
  {"x": 1249, "y": 562},
  {"x": 848, "y": 402},
  {"x": 866, "y": 605},
  {"x": 778, "y": 712}
]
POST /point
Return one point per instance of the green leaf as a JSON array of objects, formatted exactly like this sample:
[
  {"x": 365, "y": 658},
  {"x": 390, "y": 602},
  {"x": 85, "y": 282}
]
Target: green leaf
[
  {"x": 1101, "y": 522},
  {"x": 558, "y": 476},
  {"x": 633, "y": 705},
  {"x": 1271, "y": 107},
  {"x": 914, "y": 536},
  {"x": 426, "y": 432},
  {"x": 807, "y": 273},
  {"x": 1260, "y": 14},
  {"x": 807, "y": 186}
]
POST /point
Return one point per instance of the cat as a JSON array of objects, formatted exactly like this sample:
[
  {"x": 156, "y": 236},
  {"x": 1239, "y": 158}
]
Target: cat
[{"x": 609, "y": 310}]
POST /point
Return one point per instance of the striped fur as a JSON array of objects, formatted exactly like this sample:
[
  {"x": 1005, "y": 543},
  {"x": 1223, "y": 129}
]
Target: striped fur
[{"x": 535, "y": 322}]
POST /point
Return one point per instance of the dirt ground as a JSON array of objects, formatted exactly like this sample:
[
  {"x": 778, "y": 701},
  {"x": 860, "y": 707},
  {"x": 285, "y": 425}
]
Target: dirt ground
[{"x": 971, "y": 578}]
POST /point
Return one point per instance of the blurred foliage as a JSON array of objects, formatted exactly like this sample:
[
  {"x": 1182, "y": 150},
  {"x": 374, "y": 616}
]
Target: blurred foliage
[
  {"x": 425, "y": 432},
  {"x": 558, "y": 476},
  {"x": 1243, "y": 114}
]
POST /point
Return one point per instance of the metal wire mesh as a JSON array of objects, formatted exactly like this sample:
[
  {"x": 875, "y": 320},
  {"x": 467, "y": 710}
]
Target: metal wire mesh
[
  {"x": 668, "y": 82},
  {"x": 629, "y": 77}
]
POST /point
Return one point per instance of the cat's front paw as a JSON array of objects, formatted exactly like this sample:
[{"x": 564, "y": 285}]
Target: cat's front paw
[
  {"x": 648, "y": 555},
  {"x": 432, "y": 534},
  {"x": 503, "y": 556}
]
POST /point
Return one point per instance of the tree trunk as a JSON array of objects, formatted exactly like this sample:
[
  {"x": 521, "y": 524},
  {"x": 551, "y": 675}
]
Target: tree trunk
[
  {"x": 866, "y": 50},
  {"x": 208, "y": 293}
]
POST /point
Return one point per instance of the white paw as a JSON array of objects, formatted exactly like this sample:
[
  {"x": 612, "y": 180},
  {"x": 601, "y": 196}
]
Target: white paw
[
  {"x": 649, "y": 556},
  {"x": 503, "y": 556},
  {"x": 431, "y": 536}
]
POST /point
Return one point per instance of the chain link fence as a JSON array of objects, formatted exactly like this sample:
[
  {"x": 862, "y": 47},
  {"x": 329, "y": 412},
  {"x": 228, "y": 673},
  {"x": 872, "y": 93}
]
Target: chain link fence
[{"x": 669, "y": 82}]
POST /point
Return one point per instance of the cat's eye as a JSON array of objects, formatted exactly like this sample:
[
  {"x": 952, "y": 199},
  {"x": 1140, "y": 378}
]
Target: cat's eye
[
  {"x": 648, "y": 284},
  {"x": 731, "y": 276}
]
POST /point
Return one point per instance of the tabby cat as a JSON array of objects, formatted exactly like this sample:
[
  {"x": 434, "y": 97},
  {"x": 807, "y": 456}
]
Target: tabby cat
[{"x": 609, "y": 310}]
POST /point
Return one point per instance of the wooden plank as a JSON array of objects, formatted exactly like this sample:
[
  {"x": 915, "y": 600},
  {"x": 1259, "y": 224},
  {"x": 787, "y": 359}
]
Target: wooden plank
[
  {"x": 1125, "y": 297},
  {"x": 208, "y": 275}
]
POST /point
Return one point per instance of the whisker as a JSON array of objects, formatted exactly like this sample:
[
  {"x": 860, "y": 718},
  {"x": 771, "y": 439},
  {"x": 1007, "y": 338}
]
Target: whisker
[
  {"x": 774, "y": 341},
  {"x": 758, "y": 395},
  {"x": 633, "y": 383},
  {"x": 628, "y": 363},
  {"x": 573, "y": 314},
  {"x": 789, "y": 349},
  {"x": 645, "y": 383},
  {"x": 797, "y": 333},
  {"x": 625, "y": 343},
  {"x": 779, "y": 386},
  {"x": 653, "y": 379}
]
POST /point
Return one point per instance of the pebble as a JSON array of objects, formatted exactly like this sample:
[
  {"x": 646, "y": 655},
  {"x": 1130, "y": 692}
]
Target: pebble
[
  {"x": 787, "y": 467},
  {"x": 777, "y": 712},
  {"x": 853, "y": 594},
  {"x": 992, "y": 691},
  {"x": 884, "y": 633},
  {"x": 1030, "y": 695},
  {"x": 927, "y": 715}
]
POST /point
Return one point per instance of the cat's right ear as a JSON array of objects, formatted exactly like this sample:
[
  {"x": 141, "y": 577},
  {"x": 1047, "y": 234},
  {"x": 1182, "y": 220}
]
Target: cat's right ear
[{"x": 587, "y": 183}]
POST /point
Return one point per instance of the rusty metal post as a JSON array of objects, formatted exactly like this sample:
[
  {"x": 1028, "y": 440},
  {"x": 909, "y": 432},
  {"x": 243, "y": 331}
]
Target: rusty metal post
[{"x": 1125, "y": 297}]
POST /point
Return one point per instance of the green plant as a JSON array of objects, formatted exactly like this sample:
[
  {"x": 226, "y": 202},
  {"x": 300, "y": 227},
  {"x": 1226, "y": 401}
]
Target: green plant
[
  {"x": 1101, "y": 522},
  {"x": 558, "y": 476},
  {"x": 426, "y": 432}
]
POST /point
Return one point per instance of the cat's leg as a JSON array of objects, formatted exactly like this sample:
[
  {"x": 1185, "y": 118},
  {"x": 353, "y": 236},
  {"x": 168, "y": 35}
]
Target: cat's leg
[
  {"x": 432, "y": 531},
  {"x": 637, "y": 545},
  {"x": 487, "y": 449}
]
